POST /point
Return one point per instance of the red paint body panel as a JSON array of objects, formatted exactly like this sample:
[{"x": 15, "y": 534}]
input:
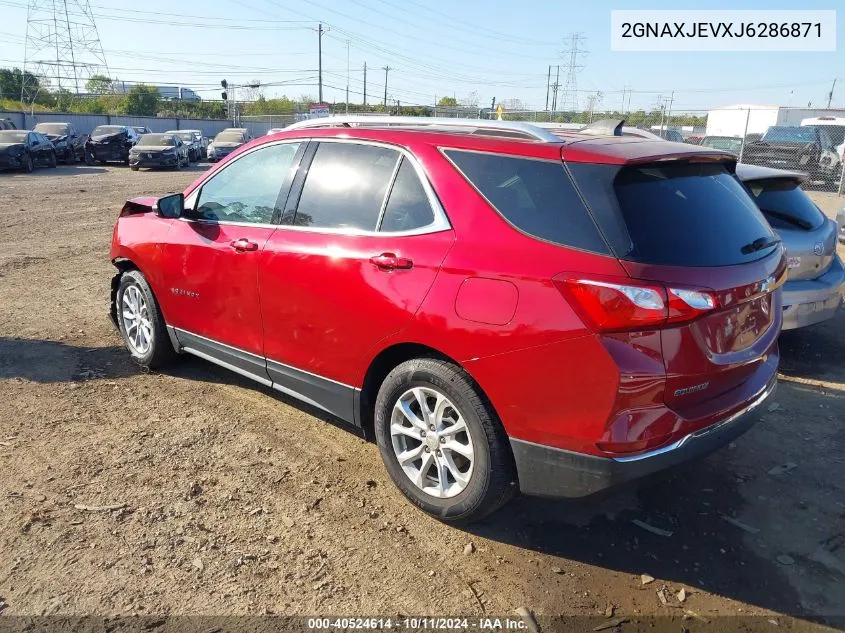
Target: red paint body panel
[
  {"x": 325, "y": 305},
  {"x": 210, "y": 288},
  {"x": 481, "y": 293}
]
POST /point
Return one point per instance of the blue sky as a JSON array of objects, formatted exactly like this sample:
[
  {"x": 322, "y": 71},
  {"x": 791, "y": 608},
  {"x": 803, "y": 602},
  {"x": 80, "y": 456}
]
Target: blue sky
[{"x": 492, "y": 48}]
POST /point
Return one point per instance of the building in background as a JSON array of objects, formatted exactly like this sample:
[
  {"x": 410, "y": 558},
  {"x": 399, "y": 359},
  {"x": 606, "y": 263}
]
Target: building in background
[{"x": 749, "y": 118}]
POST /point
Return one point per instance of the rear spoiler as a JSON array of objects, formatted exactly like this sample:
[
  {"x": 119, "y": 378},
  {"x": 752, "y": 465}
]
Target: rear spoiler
[{"x": 605, "y": 127}]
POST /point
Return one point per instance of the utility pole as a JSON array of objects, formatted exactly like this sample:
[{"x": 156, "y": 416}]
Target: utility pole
[
  {"x": 830, "y": 94},
  {"x": 386, "y": 69},
  {"x": 365, "y": 83},
  {"x": 492, "y": 107},
  {"x": 671, "y": 101},
  {"x": 347, "y": 76},
  {"x": 548, "y": 83},
  {"x": 320, "y": 60}
]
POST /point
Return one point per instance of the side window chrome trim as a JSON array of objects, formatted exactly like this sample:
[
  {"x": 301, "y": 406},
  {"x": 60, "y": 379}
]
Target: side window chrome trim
[{"x": 441, "y": 220}]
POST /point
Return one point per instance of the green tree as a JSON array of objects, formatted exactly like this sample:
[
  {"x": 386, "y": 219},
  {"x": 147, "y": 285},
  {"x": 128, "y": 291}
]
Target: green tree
[
  {"x": 142, "y": 101},
  {"x": 445, "y": 102},
  {"x": 12, "y": 82},
  {"x": 99, "y": 85}
]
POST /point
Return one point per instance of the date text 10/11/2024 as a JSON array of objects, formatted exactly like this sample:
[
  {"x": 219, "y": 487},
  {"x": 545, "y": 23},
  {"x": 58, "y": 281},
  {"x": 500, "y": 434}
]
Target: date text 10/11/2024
[{"x": 417, "y": 624}]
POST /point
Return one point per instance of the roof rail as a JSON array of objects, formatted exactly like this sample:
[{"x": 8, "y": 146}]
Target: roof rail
[{"x": 479, "y": 126}]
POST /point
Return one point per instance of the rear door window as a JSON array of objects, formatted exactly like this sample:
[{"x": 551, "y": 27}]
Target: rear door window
[
  {"x": 785, "y": 204},
  {"x": 678, "y": 214},
  {"x": 346, "y": 186},
  {"x": 535, "y": 196},
  {"x": 408, "y": 207}
]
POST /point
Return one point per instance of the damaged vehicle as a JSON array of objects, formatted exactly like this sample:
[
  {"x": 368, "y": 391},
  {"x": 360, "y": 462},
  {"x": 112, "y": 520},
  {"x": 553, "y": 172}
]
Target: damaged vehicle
[
  {"x": 226, "y": 142},
  {"x": 110, "y": 143},
  {"x": 68, "y": 142},
  {"x": 159, "y": 150}
]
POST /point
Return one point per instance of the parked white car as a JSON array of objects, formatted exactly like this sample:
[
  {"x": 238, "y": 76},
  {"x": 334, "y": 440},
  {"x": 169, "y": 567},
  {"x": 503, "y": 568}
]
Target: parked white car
[{"x": 835, "y": 128}]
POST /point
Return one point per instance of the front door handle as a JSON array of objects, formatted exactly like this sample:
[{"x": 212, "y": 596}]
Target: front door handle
[
  {"x": 389, "y": 261},
  {"x": 243, "y": 245}
]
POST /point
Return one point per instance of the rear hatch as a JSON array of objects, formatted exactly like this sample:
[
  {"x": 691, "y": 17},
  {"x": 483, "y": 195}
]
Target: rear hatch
[
  {"x": 808, "y": 236},
  {"x": 686, "y": 227}
]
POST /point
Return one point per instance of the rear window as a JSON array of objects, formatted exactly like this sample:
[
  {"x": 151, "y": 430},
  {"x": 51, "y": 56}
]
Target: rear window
[
  {"x": 680, "y": 214},
  {"x": 535, "y": 196},
  {"x": 785, "y": 204}
]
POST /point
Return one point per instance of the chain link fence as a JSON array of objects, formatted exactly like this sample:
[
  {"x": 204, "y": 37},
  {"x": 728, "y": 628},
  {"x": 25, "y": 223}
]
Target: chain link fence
[{"x": 809, "y": 140}]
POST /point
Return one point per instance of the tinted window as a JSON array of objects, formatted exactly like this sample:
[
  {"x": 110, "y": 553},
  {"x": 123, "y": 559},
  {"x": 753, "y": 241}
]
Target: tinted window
[
  {"x": 408, "y": 207},
  {"x": 148, "y": 140},
  {"x": 681, "y": 214},
  {"x": 785, "y": 204},
  {"x": 536, "y": 196},
  {"x": 346, "y": 185},
  {"x": 247, "y": 190}
]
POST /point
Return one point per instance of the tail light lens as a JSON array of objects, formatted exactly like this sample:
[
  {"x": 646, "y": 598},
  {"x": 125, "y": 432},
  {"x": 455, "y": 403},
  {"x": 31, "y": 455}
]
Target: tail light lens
[{"x": 611, "y": 304}]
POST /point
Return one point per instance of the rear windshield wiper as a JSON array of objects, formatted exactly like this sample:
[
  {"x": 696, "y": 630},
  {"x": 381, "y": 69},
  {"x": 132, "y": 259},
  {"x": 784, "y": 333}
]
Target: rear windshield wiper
[
  {"x": 791, "y": 219},
  {"x": 759, "y": 244}
]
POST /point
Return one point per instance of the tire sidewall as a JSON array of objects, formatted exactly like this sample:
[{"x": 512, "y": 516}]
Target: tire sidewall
[
  {"x": 134, "y": 278},
  {"x": 469, "y": 499}
]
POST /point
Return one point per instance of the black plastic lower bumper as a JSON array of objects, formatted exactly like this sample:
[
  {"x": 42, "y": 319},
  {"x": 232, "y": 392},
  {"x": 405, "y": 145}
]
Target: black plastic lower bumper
[{"x": 552, "y": 472}]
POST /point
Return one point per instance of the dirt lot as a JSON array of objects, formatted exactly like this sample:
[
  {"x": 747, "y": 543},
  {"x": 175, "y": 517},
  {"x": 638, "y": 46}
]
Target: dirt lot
[{"x": 197, "y": 492}]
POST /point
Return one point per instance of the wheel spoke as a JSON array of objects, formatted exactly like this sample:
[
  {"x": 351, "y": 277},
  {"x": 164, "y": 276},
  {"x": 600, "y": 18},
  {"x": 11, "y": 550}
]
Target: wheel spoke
[
  {"x": 460, "y": 478},
  {"x": 410, "y": 431},
  {"x": 404, "y": 407},
  {"x": 442, "y": 476},
  {"x": 457, "y": 447},
  {"x": 419, "y": 395},
  {"x": 410, "y": 455},
  {"x": 453, "y": 429},
  {"x": 423, "y": 471}
]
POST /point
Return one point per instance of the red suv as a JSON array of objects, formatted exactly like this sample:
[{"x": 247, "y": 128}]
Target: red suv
[{"x": 500, "y": 305}]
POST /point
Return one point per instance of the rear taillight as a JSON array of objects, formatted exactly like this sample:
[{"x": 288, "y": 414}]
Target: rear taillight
[{"x": 616, "y": 304}]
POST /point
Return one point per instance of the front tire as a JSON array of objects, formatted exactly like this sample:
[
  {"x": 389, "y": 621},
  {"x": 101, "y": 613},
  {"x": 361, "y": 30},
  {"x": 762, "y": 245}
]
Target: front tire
[
  {"x": 441, "y": 441},
  {"x": 28, "y": 164},
  {"x": 141, "y": 323},
  {"x": 53, "y": 161}
]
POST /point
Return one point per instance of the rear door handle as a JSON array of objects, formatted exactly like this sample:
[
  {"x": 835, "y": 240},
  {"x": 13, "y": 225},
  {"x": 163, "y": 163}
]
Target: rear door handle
[
  {"x": 243, "y": 245},
  {"x": 389, "y": 261}
]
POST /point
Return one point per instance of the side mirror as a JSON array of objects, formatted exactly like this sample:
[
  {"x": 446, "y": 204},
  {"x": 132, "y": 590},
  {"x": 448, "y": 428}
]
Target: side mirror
[{"x": 172, "y": 206}]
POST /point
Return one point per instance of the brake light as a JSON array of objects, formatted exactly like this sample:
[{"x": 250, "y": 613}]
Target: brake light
[{"x": 611, "y": 304}]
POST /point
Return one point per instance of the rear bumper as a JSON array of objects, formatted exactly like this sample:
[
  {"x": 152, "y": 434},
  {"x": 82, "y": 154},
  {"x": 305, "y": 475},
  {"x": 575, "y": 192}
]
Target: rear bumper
[
  {"x": 552, "y": 472},
  {"x": 811, "y": 301}
]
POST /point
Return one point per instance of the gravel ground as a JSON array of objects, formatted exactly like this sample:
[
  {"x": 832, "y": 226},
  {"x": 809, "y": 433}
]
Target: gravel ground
[{"x": 196, "y": 492}]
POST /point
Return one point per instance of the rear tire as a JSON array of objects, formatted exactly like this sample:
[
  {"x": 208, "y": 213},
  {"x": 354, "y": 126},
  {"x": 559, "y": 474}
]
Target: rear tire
[
  {"x": 53, "y": 162},
  {"x": 134, "y": 167},
  {"x": 28, "y": 164},
  {"x": 455, "y": 476},
  {"x": 141, "y": 323}
]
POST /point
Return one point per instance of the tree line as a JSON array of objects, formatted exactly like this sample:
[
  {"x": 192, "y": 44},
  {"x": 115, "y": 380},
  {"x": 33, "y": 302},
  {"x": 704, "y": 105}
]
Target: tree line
[{"x": 106, "y": 96}]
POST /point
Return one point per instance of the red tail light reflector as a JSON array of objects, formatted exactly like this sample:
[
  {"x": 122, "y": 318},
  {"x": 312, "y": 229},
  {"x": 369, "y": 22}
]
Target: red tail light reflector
[{"x": 613, "y": 304}]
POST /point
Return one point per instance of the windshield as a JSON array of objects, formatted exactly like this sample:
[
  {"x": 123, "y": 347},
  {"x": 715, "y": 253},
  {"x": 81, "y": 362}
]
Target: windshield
[
  {"x": 102, "y": 130},
  {"x": 723, "y": 142},
  {"x": 786, "y": 134},
  {"x": 185, "y": 136},
  {"x": 157, "y": 139},
  {"x": 12, "y": 136},
  {"x": 59, "y": 129},
  {"x": 229, "y": 137}
]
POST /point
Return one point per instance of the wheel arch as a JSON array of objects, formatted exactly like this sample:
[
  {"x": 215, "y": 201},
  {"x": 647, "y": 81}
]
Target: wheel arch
[{"x": 384, "y": 362}]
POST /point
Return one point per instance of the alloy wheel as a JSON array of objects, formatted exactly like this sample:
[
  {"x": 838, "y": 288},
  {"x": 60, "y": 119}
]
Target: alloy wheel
[
  {"x": 136, "y": 320},
  {"x": 431, "y": 441}
]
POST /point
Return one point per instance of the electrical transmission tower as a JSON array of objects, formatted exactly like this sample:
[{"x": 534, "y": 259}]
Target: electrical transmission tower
[
  {"x": 62, "y": 44},
  {"x": 572, "y": 56}
]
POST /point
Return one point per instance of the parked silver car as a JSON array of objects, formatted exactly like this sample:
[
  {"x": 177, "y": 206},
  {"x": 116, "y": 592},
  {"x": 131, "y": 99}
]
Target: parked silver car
[
  {"x": 840, "y": 220},
  {"x": 192, "y": 143},
  {"x": 816, "y": 277}
]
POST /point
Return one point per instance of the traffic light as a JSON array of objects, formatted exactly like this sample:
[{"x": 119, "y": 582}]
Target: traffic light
[
  {"x": 225, "y": 84},
  {"x": 224, "y": 96}
]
